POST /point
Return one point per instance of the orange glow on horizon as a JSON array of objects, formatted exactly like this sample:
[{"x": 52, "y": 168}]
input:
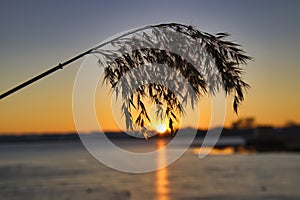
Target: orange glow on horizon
[{"x": 36, "y": 110}]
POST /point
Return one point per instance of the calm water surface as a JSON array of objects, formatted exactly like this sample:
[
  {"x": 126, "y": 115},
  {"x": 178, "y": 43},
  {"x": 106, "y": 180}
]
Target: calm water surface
[{"x": 65, "y": 170}]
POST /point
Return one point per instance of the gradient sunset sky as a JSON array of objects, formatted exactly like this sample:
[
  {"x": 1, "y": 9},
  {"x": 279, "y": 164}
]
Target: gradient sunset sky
[{"x": 36, "y": 35}]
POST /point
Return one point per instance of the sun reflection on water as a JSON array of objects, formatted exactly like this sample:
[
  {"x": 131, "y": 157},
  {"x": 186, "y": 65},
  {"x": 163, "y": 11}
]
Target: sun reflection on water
[
  {"x": 223, "y": 151},
  {"x": 162, "y": 181}
]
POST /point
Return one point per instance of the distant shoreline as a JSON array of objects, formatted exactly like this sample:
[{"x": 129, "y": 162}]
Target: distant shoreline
[{"x": 258, "y": 139}]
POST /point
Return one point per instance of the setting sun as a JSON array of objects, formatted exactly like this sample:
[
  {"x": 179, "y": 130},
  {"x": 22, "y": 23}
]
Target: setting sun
[{"x": 161, "y": 128}]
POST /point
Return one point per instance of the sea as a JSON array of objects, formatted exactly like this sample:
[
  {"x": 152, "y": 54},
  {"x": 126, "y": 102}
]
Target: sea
[{"x": 66, "y": 170}]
